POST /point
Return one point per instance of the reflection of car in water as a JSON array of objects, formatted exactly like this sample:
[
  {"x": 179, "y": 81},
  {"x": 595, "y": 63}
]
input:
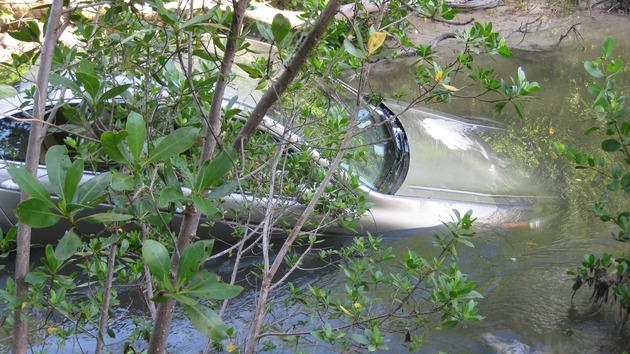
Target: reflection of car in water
[{"x": 416, "y": 166}]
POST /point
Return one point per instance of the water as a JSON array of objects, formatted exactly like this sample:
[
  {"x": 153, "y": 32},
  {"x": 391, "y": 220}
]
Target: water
[{"x": 522, "y": 274}]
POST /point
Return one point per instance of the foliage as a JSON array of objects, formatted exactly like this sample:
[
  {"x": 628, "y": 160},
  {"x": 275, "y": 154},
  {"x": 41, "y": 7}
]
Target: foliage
[
  {"x": 385, "y": 294},
  {"x": 132, "y": 99},
  {"x": 612, "y": 170}
]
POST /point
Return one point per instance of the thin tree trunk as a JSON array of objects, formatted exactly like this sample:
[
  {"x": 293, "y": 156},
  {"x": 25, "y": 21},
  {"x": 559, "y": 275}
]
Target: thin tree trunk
[
  {"x": 289, "y": 74},
  {"x": 190, "y": 222},
  {"x": 36, "y": 135},
  {"x": 102, "y": 327},
  {"x": 250, "y": 126}
]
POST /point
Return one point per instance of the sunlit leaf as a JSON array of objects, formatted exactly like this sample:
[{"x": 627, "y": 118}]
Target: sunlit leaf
[
  {"x": 375, "y": 41},
  {"x": 207, "y": 207},
  {"x": 450, "y": 88},
  {"x": 7, "y": 91}
]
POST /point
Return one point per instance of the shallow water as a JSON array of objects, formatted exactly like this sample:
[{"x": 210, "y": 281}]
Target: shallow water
[{"x": 522, "y": 274}]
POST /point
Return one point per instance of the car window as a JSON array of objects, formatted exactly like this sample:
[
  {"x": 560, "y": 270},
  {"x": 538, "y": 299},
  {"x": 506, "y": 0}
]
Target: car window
[{"x": 14, "y": 137}]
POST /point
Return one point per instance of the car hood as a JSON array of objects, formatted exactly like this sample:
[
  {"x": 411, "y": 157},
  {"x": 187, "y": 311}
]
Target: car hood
[{"x": 451, "y": 158}]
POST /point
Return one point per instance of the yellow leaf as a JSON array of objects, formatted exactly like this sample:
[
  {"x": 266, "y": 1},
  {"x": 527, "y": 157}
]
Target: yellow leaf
[
  {"x": 450, "y": 88},
  {"x": 551, "y": 131},
  {"x": 530, "y": 243},
  {"x": 376, "y": 41},
  {"x": 345, "y": 310},
  {"x": 438, "y": 75}
]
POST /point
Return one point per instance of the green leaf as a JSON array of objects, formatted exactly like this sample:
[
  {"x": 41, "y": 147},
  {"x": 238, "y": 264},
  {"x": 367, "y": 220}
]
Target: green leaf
[
  {"x": 157, "y": 259},
  {"x": 30, "y": 184},
  {"x": 173, "y": 144},
  {"x": 90, "y": 84},
  {"x": 114, "y": 92},
  {"x": 36, "y": 213},
  {"x": 498, "y": 107},
  {"x": 106, "y": 218},
  {"x": 67, "y": 246},
  {"x": 592, "y": 69},
  {"x": 58, "y": 80},
  {"x": 207, "y": 321},
  {"x": 191, "y": 259},
  {"x": 92, "y": 188},
  {"x": 36, "y": 278},
  {"x": 611, "y": 145},
  {"x": 137, "y": 131},
  {"x": 57, "y": 164},
  {"x": 250, "y": 70},
  {"x": 28, "y": 33},
  {"x": 171, "y": 195},
  {"x": 223, "y": 190},
  {"x": 213, "y": 171},
  {"x": 198, "y": 19},
  {"x": 207, "y": 287},
  {"x": 280, "y": 27},
  {"x": 183, "y": 299},
  {"x": 608, "y": 47},
  {"x": 7, "y": 91},
  {"x": 112, "y": 144},
  {"x": 71, "y": 183},
  {"x": 207, "y": 207},
  {"x": 122, "y": 181},
  {"x": 165, "y": 15},
  {"x": 352, "y": 50}
]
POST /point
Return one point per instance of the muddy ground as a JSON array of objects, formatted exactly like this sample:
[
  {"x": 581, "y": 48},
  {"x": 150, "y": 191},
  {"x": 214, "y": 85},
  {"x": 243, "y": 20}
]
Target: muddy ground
[{"x": 533, "y": 28}]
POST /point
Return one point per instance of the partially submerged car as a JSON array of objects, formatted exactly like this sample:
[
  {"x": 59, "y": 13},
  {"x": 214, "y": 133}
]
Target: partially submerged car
[{"x": 417, "y": 166}]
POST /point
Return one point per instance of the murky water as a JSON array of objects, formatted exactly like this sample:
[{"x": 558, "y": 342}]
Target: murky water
[{"x": 521, "y": 273}]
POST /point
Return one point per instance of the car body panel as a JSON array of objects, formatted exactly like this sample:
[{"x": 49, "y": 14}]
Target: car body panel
[{"x": 446, "y": 165}]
